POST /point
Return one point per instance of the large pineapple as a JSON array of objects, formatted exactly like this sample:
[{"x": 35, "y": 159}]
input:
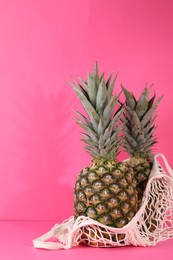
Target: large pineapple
[
  {"x": 106, "y": 190},
  {"x": 139, "y": 133}
]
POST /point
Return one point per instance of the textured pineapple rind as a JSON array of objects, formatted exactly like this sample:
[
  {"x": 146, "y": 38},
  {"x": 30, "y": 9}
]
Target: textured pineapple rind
[
  {"x": 106, "y": 192},
  {"x": 142, "y": 169}
]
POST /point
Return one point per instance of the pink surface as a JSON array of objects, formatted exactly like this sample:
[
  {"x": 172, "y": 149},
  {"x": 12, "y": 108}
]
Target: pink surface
[
  {"x": 16, "y": 243},
  {"x": 42, "y": 44}
]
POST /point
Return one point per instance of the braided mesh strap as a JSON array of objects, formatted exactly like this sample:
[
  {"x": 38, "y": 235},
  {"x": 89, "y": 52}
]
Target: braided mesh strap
[{"x": 151, "y": 224}]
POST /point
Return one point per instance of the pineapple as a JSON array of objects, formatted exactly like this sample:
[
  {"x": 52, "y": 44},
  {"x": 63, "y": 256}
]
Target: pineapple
[
  {"x": 106, "y": 190},
  {"x": 139, "y": 135}
]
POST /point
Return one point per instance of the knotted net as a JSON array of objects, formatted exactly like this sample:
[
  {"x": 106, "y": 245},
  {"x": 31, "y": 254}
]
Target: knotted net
[{"x": 151, "y": 224}]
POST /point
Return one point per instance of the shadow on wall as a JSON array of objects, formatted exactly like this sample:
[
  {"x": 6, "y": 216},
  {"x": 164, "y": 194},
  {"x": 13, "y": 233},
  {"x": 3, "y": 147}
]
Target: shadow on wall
[{"x": 40, "y": 157}]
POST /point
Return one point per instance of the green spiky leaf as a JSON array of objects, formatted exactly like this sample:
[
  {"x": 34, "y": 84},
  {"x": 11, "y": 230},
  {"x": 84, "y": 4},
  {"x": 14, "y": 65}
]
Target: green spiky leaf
[
  {"x": 92, "y": 89},
  {"x": 108, "y": 81},
  {"x": 150, "y": 113},
  {"x": 130, "y": 99},
  {"x": 111, "y": 87},
  {"x": 101, "y": 98},
  {"x": 94, "y": 117},
  {"x": 85, "y": 119},
  {"x": 142, "y": 104}
]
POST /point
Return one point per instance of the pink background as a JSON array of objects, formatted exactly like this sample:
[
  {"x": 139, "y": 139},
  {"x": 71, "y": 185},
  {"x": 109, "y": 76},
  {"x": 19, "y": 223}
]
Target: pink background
[{"x": 42, "y": 44}]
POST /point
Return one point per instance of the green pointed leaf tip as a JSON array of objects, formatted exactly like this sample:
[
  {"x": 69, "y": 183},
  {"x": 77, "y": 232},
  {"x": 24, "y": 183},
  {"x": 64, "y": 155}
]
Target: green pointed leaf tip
[
  {"x": 111, "y": 86},
  {"x": 83, "y": 82},
  {"x": 130, "y": 99},
  {"x": 108, "y": 81},
  {"x": 142, "y": 104},
  {"x": 96, "y": 72},
  {"x": 84, "y": 119},
  {"x": 92, "y": 89},
  {"x": 79, "y": 90},
  {"x": 151, "y": 101},
  {"x": 101, "y": 98},
  {"x": 149, "y": 114}
]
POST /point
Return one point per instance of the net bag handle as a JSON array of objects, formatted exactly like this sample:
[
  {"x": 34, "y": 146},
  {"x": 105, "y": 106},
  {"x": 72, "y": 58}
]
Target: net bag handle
[
  {"x": 56, "y": 231},
  {"x": 156, "y": 166},
  {"x": 41, "y": 242}
]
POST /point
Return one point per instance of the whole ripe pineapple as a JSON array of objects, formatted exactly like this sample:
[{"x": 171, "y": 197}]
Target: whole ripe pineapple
[
  {"x": 106, "y": 190},
  {"x": 139, "y": 129}
]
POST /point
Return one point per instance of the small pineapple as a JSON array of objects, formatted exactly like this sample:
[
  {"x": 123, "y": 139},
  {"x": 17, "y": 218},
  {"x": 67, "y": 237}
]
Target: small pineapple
[
  {"x": 106, "y": 190},
  {"x": 139, "y": 129}
]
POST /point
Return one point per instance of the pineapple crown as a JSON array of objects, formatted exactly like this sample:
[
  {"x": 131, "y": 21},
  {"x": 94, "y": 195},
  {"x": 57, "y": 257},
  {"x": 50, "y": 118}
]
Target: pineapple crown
[
  {"x": 139, "y": 119},
  {"x": 101, "y": 127}
]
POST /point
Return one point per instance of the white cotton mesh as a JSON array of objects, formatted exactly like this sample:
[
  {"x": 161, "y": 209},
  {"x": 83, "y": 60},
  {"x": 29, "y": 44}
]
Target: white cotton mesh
[{"x": 151, "y": 224}]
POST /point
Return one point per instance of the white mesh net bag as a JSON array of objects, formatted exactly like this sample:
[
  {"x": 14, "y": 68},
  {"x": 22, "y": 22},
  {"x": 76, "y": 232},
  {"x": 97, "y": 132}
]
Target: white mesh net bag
[{"x": 151, "y": 224}]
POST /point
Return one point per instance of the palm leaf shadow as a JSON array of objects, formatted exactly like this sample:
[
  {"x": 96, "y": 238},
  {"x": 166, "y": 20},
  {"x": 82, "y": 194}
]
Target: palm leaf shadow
[{"x": 40, "y": 152}]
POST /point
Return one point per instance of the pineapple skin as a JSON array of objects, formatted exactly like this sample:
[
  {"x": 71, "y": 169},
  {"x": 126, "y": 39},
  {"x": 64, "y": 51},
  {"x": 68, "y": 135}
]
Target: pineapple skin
[
  {"x": 106, "y": 192},
  {"x": 141, "y": 168}
]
